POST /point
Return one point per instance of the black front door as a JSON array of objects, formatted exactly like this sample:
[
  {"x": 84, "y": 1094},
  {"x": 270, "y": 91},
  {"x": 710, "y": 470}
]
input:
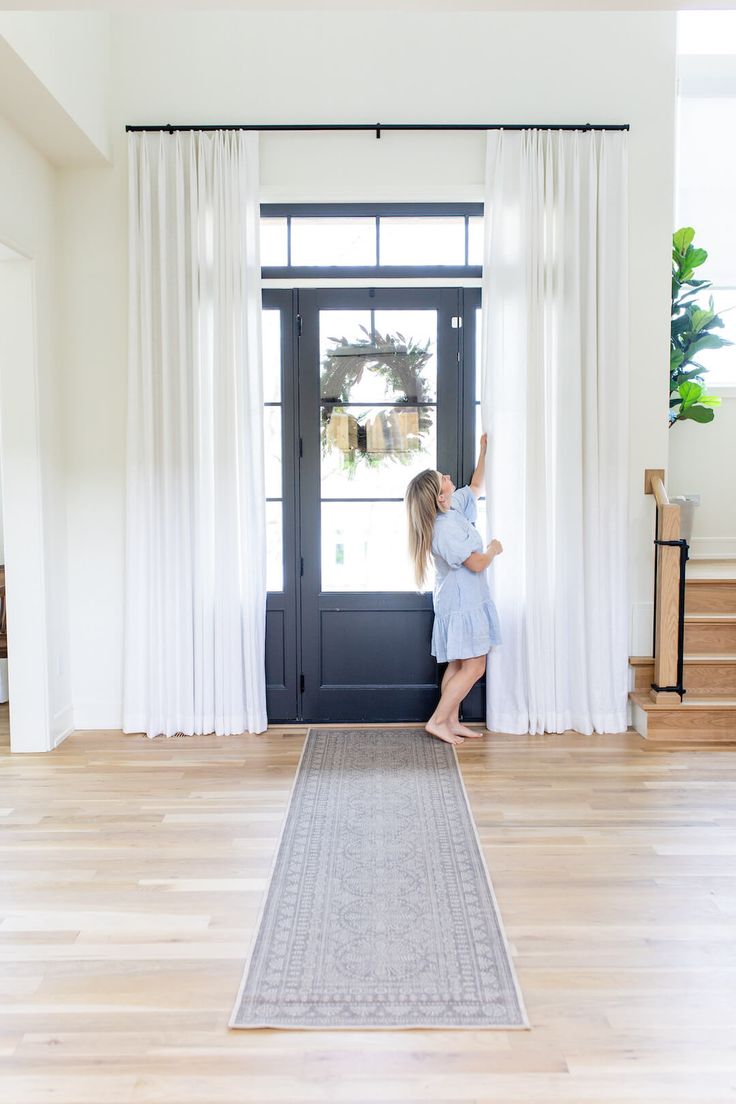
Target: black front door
[
  {"x": 376, "y": 385},
  {"x": 378, "y": 402}
]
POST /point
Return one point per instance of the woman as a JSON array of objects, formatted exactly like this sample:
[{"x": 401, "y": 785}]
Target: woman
[{"x": 466, "y": 622}]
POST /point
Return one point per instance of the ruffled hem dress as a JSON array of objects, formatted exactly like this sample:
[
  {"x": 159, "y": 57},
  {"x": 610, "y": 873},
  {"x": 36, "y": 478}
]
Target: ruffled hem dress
[{"x": 465, "y": 616}]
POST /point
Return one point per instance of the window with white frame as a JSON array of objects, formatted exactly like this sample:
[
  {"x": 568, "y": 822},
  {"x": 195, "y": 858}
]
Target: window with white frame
[{"x": 706, "y": 166}]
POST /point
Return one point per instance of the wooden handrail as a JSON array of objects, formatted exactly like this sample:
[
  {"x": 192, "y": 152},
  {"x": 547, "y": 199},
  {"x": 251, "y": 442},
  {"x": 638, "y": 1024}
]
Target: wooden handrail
[
  {"x": 667, "y": 597},
  {"x": 654, "y": 484}
]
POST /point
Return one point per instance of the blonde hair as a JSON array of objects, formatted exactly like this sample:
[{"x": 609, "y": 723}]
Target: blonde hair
[{"x": 422, "y": 501}]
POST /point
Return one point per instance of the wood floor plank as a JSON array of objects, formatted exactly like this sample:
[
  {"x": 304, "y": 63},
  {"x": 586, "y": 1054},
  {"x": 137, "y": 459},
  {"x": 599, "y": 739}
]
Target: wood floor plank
[{"x": 131, "y": 879}]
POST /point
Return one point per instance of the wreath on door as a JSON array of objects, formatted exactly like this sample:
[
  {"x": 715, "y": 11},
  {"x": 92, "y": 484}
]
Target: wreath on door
[{"x": 393, "y": 432}]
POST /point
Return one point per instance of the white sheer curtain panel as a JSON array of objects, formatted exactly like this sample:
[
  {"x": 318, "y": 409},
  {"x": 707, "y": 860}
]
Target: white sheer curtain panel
[
  {"x": 554, "y": 400},
  {"x": 195, "y": 596}
]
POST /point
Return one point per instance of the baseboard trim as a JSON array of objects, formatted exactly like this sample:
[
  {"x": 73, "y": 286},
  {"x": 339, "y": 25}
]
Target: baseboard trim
[
  {"x": 62, "y": 725},
  {"x": 107, "y": 716}
]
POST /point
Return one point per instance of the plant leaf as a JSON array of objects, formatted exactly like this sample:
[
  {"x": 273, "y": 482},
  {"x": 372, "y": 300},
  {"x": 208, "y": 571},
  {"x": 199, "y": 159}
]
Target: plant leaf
[
  {"x": 700, "y": 318},
  {"x": 695, "y": 257},
  {"x": 707, "y": 341},
  {"x": 681, "y": 239},
  {"x": 698, "y": 414},
  {"x": 690, "y": 392},
  {"x": 682, "y": 377}
]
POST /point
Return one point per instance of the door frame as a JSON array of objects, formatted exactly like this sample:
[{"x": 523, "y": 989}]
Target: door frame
[{"x": 285, "y": 609}]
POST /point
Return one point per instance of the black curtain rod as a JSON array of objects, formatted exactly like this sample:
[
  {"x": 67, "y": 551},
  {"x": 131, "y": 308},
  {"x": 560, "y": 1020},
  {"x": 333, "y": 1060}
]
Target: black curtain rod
[{"x": 379, "y": 127}]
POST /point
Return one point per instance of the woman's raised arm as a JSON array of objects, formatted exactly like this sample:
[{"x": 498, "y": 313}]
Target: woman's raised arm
[{"x": 479, "y": 475}]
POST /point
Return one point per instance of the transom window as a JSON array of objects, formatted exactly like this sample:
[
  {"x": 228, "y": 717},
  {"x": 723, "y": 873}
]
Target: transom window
[{"x": 372, "y": 239}]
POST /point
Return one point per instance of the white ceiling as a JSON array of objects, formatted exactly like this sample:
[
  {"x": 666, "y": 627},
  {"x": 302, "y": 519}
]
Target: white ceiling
[{"x": 370, "y": 5}]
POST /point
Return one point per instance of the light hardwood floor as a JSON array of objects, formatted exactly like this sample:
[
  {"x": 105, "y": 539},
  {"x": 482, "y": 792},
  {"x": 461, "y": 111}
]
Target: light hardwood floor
[{"x": 131, "y": 873}]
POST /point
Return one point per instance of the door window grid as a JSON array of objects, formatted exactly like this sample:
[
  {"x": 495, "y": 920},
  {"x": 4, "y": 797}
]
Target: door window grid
[
  {"x": 273, "y": 448},
  {"x": 370, "y": 447},
  {"x": 361, "y": 236},
  {"x": 481, "y": 521},
  {"x": 273, "y": 461}
]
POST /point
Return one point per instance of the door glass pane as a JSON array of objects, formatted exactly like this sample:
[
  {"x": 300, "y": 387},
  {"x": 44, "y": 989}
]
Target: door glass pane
[
  {"x": 475, "y": 240},
  {"x": 480, "y": 523},
  {"x": 423, "y": 241},
  {"x": 371, "y": 452},
  {"x": 364, "y": 546},
  {"x": 374, "y": 437},
  {"x": 478, "y": 339},
  {"x": 272, "y": 450},
  {"x": 274, "y": 249},
  {"x": 271, "y": 335},
  {"x": 378, "y": 356},
  {"x": 274, "y": 546},
  {"x": 333, "y": 241}
]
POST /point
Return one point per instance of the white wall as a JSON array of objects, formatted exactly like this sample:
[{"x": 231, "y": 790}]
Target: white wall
[
  {"x": 702, "y": 461},
  {"x": 28, "y": 224},
  {"x": 702, "y": 458},
  {"x": 337, "y": 66},
  {"x": 69, "y": 53}
]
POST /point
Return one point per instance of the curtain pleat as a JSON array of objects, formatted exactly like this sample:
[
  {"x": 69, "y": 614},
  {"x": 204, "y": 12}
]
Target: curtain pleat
[
  {"x": 554, "y": 397},
  {"x": 195, "y": 530}
]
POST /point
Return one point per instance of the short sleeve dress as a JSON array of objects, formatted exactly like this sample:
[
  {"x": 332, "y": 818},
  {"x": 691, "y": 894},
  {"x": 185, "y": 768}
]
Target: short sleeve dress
[{"x": 465, "y": 617}]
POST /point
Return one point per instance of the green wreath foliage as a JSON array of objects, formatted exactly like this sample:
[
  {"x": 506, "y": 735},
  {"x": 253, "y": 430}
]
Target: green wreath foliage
[{"x": 400, "y": 362}]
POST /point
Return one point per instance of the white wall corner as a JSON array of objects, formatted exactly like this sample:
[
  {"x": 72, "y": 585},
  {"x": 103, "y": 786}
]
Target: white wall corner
[
  {"x": 642, "y": 622},
  {"x": 55, "y": 82},
  {"x": 62, "y": 725}
]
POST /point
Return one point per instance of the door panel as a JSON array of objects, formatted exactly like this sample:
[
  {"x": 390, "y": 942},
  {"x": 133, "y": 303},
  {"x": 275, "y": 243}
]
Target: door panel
[{"x": 379, "y": 401}]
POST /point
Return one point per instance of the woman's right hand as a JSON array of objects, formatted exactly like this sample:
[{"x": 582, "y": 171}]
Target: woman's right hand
[{"x": 495, "y": 548}]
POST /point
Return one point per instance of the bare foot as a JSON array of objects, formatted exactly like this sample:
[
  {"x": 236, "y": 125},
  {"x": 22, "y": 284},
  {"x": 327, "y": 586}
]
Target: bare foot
[
  {"x": 463, "y": 730},
  {"x": 443, "y": 732}
]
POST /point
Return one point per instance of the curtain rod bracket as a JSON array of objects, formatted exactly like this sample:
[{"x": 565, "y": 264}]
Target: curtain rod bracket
[{"x": 378, "y": 130}]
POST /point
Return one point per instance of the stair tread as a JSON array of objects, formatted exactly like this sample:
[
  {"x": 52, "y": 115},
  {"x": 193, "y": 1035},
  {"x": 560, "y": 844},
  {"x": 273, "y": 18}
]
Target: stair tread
[
  {"x": 708, "y": 580},
  {"x": 689, "y": 657},
  {"x": 708, "y": 657},
  {"x": 714, "y": 618},
  {"x": 642, "y": 699}
]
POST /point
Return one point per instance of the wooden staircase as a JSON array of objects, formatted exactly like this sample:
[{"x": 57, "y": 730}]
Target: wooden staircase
[{"x": 707, "y": 713}]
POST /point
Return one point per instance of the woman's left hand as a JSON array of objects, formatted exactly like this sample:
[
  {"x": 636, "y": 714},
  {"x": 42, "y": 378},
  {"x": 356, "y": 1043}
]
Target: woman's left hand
[{"x": 483, "y": 443}]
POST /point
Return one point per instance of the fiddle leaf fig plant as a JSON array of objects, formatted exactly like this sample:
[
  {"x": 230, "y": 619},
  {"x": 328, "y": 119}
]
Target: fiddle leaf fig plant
[{"x": 691, "y": 332}]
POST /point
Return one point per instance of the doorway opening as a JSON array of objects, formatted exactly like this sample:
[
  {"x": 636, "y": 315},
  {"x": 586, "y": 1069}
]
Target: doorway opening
[
  {"x": 364, "y": 388},
  {"x": 25, "y": 720}
]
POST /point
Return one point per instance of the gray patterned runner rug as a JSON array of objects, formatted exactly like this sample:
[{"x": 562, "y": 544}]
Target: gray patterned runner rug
[{"x": 379, "y": 913}]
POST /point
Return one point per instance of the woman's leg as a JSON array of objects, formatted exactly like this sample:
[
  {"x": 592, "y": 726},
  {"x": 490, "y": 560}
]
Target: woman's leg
[
  {"x": 453, "y": 691},
  {"x": 459, "y": 729}
]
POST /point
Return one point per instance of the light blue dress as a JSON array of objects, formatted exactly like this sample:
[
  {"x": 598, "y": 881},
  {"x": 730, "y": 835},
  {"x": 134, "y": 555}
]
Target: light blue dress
[{"x": 465, "y": 616}]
